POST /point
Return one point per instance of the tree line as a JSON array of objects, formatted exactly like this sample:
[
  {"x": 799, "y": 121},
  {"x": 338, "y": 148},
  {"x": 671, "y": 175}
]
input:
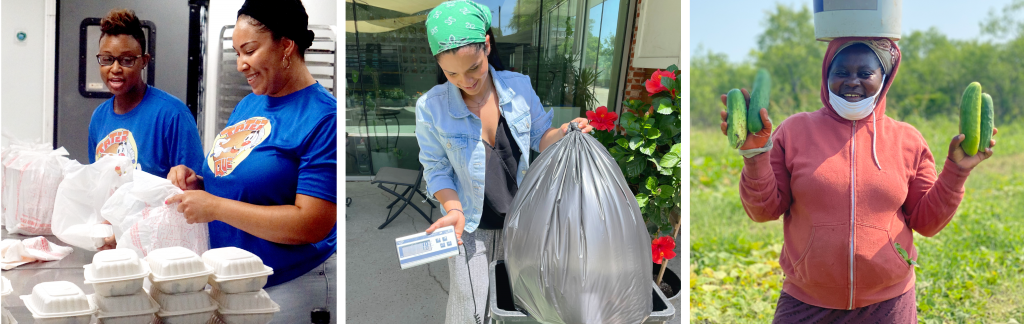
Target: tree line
[{"x": 932, "y": 76}]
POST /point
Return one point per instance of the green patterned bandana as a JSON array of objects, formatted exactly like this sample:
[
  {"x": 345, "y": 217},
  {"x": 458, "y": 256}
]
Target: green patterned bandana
[{"x": 457, "y": 23}]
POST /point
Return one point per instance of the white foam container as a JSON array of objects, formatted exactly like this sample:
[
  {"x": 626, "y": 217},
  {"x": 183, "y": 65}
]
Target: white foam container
[
  {"x": 59, "y": 302},
  {"x": 117, "y": 272},
  {"x": 245, "y": 308},
  {"x": 250, "y": 318},
  {"x": 194, "y": 307},
  {"x": 236, "y": 270},
  {"x": 177, "y": 270},
  {"x": 131, "y": 309},
  {"x": 5, "y": 287},
  {"x": 99, "y": 233}
]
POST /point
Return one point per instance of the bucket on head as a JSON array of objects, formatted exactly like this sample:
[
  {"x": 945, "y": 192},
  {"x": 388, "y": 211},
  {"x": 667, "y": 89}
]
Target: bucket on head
[{"x": 862, "y": 18}]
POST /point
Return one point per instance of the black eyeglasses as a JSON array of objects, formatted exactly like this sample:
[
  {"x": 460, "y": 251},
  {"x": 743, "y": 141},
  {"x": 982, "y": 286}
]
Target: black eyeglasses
[{"x": 125, "y": 61}]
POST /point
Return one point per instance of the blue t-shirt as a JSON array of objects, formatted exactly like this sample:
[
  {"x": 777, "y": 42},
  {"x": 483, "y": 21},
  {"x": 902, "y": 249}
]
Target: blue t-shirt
[
  {"x": 158, "y": 134},
  {"x": 271, "y": 150}
]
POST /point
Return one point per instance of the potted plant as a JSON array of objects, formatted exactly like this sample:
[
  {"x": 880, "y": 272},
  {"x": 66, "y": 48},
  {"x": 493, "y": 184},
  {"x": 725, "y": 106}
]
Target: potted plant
[
  {"x": 570, "y": 90},
  {"x": 374, "y": 92},
  {"x": 646, "y": 144},
  {"x": 394, "y": 98},
  {"x": 571, "y": 83},
  {"x": 397, "y": 153}
]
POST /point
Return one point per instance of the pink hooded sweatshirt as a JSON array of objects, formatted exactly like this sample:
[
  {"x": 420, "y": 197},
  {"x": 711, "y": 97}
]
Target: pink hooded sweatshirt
[{"x": 849, "y": 190}]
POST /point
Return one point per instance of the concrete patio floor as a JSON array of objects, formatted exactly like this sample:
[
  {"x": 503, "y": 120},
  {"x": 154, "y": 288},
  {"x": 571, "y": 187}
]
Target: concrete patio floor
[{"x": 377, "y": 290}]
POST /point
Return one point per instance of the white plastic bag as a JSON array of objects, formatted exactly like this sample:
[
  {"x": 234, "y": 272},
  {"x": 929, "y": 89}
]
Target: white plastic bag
[
  {"x": 16, "y": 146},
  {"x": 32, "y": 173},
  {"x": 576, "y": 248},
  {"x": 4, "y": 192},
  {"x": 131, "y": 201},
  {"x": 81, "y": 195},
  {"x": 164, "y": 227},
  {"x": 143, "y": 223}
]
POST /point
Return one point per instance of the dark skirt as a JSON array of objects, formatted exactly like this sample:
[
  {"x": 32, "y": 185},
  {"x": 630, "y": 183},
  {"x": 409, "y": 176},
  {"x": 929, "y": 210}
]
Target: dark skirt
[{"x": 899, "y": 310}]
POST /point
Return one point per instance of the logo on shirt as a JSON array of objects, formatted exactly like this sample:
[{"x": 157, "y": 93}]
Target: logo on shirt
[
  {"x": 120, "y": 142},
  {"x": 234, "y": 144}
]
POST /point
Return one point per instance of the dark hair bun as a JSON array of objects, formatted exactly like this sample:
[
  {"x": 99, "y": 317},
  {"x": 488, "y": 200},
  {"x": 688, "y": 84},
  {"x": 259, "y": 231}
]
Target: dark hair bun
[
  {"x": 306, "y": 41},
  {"x": 286, "y": 18}
]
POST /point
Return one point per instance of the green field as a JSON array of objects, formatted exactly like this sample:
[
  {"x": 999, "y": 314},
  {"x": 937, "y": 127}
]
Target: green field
[{"x": 971, "y": 272}]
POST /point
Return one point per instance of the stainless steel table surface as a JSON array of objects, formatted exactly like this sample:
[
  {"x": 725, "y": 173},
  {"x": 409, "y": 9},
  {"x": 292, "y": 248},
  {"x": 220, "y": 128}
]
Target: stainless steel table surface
[
  {"x": 71, "y": 268},
  {"x": 26, "y": 276}
]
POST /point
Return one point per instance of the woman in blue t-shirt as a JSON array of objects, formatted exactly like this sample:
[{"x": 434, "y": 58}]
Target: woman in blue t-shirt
[
  {"x": 269, "y": 183},
  {"x": 151, "y": 127}
]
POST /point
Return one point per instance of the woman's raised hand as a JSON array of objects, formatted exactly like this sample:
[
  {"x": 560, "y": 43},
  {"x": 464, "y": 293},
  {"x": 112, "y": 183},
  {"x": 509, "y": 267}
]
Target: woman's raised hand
[
  {"x": 109, "y": 243},
  {"x": 754, "y": 140},
  {"x": 185, "y": 178},
  {"x": 968, "y": 162}
]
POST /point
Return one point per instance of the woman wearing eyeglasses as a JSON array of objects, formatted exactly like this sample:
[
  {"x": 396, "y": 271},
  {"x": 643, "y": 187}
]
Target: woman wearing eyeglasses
[{"x": 151, "y": 127}]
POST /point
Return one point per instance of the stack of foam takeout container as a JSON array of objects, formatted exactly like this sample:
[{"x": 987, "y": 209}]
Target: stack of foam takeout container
[
  {"x": 179, "y": 277},
  {"x": 59, "y": 302},
  {"x": 117, "y": 277},
  {"x": 238, "y": 280},
  {"x": 6, "y": 289}
]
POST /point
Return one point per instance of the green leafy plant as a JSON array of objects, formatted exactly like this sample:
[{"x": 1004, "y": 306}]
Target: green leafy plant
[
  {"x": 375, "y": 93},
  {"x": 569, "y": 83},
  {"x": 398, "y": 153},
  {"x": 582, "y": 87},
  {"x": 646, "y": 145}
]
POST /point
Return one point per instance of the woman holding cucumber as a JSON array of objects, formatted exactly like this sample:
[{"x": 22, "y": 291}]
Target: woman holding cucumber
[{"x": 853, "y": 185}]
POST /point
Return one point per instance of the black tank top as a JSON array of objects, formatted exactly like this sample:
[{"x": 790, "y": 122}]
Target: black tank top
[{"x": 500, "y": 186}]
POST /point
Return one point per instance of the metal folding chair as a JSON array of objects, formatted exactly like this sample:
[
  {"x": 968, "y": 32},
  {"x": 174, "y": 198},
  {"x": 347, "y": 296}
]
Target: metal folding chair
[
  {"x": 348, "y": 203},
  {"x": 402, "y": 177}
]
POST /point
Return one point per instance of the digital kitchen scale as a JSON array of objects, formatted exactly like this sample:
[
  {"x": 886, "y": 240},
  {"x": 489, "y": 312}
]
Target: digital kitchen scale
[{"x": 423, "y": 248}]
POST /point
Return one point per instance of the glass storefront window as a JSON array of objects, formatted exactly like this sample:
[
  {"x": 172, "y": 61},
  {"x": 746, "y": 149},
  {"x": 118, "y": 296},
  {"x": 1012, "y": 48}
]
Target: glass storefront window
[{"x": 566, "y": 47}]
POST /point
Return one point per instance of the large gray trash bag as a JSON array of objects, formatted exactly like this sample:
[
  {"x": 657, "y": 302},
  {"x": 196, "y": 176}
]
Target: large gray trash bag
[{"x": 576, "y": 247}]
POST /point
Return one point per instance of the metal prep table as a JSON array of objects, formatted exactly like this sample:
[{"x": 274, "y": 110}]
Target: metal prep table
[
  {"x": 26, "y": 276},
  {"x": 71, "y": 268}
]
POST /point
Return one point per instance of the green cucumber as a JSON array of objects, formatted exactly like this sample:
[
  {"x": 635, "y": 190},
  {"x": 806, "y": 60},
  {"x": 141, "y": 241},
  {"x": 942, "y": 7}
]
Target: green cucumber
[
  {"x": 987, "y": 122},
  {"x": 737, "y": 120},
  {"x": 758, "y": 100},
  {"x": 970, "y": 118}
]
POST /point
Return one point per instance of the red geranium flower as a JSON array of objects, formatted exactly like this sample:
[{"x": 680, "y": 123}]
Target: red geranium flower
[
  {"x": 654, "y": 84},
  {"x": 602, "y": 119},
  {"x": 663, "y": 247}
]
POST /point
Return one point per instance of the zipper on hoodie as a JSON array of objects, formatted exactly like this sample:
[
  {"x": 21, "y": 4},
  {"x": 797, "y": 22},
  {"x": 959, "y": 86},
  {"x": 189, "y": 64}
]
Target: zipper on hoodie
[{"x": 853, "y": 201}]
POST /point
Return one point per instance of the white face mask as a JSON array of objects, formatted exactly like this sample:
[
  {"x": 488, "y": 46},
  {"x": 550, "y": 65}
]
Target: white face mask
[{"x": 854, "y": 110}]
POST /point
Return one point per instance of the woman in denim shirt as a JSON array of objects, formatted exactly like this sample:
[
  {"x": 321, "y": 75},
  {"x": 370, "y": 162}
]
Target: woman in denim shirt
[{"x": 474, "y": 133}]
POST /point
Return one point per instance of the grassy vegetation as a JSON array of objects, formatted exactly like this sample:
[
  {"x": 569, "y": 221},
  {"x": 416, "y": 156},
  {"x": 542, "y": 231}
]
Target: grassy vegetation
[{"x": 971, "y": 272}]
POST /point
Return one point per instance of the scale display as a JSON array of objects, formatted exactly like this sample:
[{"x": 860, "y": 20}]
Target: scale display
[{"x": 421, "y": 248}]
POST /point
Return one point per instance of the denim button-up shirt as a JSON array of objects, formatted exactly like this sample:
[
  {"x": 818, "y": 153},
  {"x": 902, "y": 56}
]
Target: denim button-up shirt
[{"x": 453, "y": 152}]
